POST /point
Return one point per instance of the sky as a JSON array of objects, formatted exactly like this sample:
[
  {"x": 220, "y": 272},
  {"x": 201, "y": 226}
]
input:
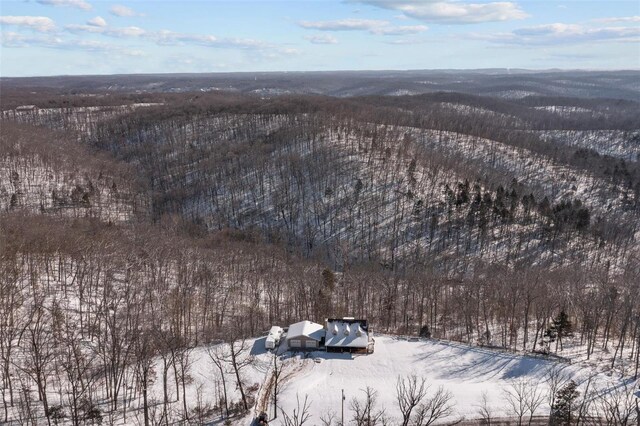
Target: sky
[{"x": 74, "y": 37}]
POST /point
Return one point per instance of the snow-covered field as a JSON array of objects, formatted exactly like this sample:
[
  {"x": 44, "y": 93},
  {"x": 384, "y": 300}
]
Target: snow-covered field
[
  {"x": 467, "y": 372},
  {"x": 474, "y": 376}
]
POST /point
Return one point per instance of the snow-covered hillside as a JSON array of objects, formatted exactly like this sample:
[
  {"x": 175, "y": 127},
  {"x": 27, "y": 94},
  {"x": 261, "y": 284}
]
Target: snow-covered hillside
[
  {"x": 616, "y": 143},
  {"x": 82, "y": 119},
  {"x": 136, "y": 239},
  {"x": 48, "y": 172}
]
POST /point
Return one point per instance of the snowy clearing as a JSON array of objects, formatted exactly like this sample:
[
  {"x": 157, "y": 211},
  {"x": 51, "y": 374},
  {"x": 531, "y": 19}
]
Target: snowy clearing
[{"x": 463, "y": 370}]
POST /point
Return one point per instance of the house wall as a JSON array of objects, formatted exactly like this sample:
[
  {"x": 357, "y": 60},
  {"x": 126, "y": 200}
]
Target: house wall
[
  {"x": 358, "y": 350},
  {"x": 301, "y": 342}
]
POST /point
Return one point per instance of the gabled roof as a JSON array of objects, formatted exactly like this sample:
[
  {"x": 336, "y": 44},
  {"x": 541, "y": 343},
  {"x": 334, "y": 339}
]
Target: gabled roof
[
  {"x": 307, "y": 329},
  {"x": 347, "y": 333}
]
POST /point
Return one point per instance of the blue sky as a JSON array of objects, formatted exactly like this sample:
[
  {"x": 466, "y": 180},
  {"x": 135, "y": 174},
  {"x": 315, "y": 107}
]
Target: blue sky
[{"x": 56, "y": 37}]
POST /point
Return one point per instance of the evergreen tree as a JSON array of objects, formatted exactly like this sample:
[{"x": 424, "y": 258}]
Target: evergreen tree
[
  {"x": 324, "y": 307},
  {"x": 411, "y": 173},
  {"x": 563, "y": 406},
  {"x": 560, "y": 327},
  {"x": 328, "y": 280},
  {"x": 425, "y": 332},
  {"x": 463, "y": 193},
  {"x": 417, "y": 209}
]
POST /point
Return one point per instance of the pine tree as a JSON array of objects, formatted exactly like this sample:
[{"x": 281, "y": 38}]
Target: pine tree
[
  {"x": 563, "y": 406},
  {"x": 324, "y": 306},
  {"x": 328, "y": 280},
  {"x": 560, "y": 327}
]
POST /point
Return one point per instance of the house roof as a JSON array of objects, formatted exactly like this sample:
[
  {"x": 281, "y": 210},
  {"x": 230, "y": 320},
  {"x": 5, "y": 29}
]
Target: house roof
[
  {"x": 275, "y": 331},
  {"x": 347, "y": 333},
  {"x": 274, "y": 334},
  {"x": 307, "y": 329}
]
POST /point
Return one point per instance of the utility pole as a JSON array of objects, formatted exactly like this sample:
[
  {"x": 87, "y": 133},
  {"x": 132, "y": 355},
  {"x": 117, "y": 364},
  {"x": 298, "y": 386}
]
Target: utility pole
[{"x": 342, "y": 417}]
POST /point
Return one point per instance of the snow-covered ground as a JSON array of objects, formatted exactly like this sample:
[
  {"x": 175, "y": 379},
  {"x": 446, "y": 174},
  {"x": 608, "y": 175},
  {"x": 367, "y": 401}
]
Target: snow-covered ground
[
  {"x": 205, "y": 389},
  {"x": 83, "y": 119},
  {"x": 567, "y": 111},
  {"x": 469, "y": 373},
  {"x": 616, "y": 143},
  {"x": 465, "y": 371}
]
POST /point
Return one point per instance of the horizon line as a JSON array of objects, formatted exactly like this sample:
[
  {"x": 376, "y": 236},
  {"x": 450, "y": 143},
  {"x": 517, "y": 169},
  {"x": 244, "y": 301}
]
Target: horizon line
[{"x": 479, "y": 70}]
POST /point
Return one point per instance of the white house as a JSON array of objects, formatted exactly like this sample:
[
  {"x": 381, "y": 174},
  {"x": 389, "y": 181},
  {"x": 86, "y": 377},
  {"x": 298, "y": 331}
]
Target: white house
[
  {"x": 347, "y": 335},
  {"x": 305, "y": 334},
  {"x": 273, "y": 338}
]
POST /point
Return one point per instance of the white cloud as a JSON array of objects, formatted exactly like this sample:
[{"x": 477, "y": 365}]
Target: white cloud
[
  {"x": 373, "y": 26},
  {"x": 258, "y": 49},
  {"x": 166, "y": 37},
  {"x": 123, "y": 11},
  {"x": 560, "y": 33},
  {"x": 405, "y": 41},
  {"x": 75, "y": 28},
  {"x": 344, "y": 25},
  {"x": 321, "y": 39},
  {"x": 452, "y": 12},
  {"x": 99, "y": 26},
  {"x": 80, "y": 4},
  {"x": 549, "y": 29},
  {"x": 97, "y": 46},
  {"x": 288, "y": 51},
  {"x": 12, "y": 39},
  {"x": 400, "y": 30},
  {"x": 125, "y": 32},
  {"x": 630, "y": 19},
  {"x": 119, "y": 32},
  {"x": 36, "y": 23},
  {"x": 97, "y": 22}
]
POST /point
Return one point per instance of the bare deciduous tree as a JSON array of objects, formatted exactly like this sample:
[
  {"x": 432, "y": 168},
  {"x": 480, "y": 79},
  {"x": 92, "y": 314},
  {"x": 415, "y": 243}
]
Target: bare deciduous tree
[
  {"x": 617, "y": 403},
  {"x": 240, "y": 358},
  {"x": 524, "y": 398},
  {"x": 435, "y": 407},
  {"x": 410, "y": 392},
  {"x": 217, "y": 354},
  {"x": 300, "y": 414},
  {"x": 366, "y": 411},
  {"x": 484, "y": 409}
]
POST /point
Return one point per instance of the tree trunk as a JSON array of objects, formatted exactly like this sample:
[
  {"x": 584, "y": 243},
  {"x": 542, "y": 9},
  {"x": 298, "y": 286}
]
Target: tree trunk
[{"x": 145, "y": 400}]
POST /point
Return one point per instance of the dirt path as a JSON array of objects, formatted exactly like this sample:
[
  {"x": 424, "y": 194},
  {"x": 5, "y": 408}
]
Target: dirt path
[{"x": 262, "y": 401}]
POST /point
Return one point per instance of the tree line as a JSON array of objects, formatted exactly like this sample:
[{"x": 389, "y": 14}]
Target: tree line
[{"x": 87, "y": 309}]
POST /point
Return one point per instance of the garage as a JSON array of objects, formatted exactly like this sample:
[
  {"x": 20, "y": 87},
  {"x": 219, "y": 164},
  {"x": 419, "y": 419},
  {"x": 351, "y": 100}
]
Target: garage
[{"x": 305, "y": 335}]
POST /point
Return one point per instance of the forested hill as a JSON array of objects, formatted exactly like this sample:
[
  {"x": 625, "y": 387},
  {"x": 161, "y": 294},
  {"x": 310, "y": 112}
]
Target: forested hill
[
  {"x": 446, "y": 179},
  {"x": 135, "y": 227}
]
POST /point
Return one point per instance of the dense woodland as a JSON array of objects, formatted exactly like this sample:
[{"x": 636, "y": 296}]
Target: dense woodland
[{"x": 142, "y": 230}]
